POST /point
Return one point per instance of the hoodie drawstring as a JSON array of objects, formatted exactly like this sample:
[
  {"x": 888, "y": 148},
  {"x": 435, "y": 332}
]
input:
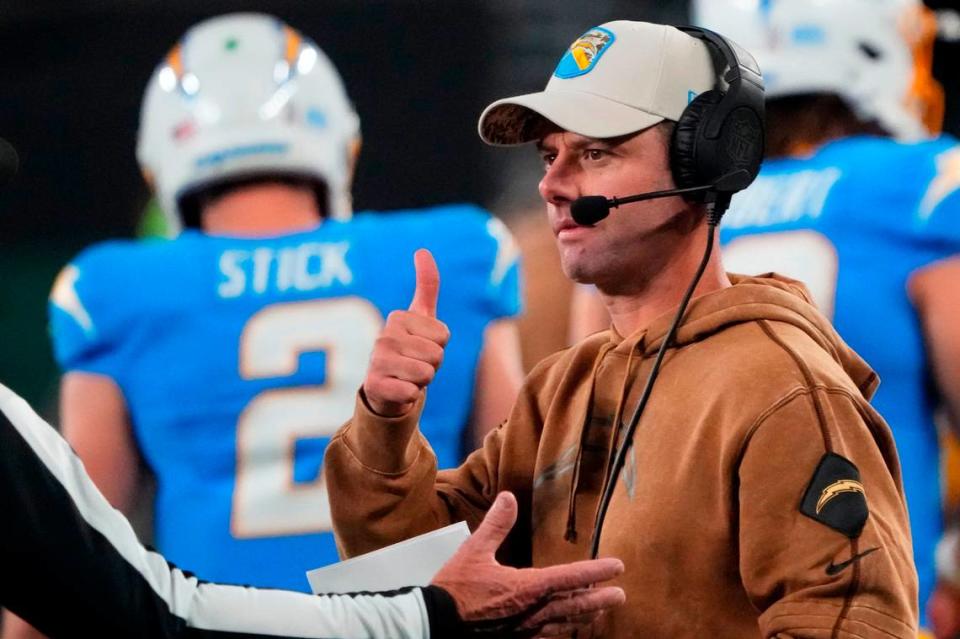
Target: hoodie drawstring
[
  {"x": 571, "y": 529},
  {"x": 617, "y": 423},
  {"x": 571, "y": 533}
]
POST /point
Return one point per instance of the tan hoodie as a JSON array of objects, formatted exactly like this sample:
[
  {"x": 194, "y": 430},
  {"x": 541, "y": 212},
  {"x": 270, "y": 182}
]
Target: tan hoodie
[{"x": 739, "y": 510}]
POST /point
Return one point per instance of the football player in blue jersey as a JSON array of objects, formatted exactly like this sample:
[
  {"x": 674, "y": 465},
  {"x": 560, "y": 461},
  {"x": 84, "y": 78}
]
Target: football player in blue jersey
[
  {"x": 222, "y": 360},
  {"x": 860, "y": 199}
]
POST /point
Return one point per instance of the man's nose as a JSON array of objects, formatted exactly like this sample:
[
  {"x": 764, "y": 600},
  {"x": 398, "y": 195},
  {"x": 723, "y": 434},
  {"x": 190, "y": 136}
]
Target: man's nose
[{"x": 558, "y": 185}]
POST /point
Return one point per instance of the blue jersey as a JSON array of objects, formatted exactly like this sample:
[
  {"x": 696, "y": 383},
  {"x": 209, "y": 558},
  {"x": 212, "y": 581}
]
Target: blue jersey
[
  {"x": 853, "y": 222},
  {"x": 239, "y": 358}
]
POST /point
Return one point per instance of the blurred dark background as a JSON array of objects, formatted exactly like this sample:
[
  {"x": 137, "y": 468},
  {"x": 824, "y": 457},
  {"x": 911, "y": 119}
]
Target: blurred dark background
[{"x": 418, "y": 71}]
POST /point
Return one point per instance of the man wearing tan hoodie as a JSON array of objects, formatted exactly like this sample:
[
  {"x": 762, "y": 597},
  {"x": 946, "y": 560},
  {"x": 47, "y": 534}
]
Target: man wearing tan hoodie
[{"x": 761, "y": 494}]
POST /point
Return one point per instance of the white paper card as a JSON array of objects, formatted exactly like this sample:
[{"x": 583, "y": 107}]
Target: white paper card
[{"x": 412, "y": 562}]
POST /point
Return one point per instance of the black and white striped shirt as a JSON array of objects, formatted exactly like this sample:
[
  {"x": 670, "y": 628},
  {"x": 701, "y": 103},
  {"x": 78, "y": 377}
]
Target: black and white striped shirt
[{"x": 72, "y": 565}]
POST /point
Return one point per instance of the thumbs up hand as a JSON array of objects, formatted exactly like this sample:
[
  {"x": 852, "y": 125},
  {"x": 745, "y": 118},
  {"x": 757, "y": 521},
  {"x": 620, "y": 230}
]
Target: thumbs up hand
[{"x": 409, "y": 350}]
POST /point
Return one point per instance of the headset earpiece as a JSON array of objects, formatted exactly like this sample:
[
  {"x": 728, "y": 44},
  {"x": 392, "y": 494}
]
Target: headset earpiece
[
  {"x": 685, "y": 161},
  {"x": 721, "y": 132}
]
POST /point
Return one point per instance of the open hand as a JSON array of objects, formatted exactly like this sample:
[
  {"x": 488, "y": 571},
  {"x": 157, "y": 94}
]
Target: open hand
[{"x": 501, "y": 601}]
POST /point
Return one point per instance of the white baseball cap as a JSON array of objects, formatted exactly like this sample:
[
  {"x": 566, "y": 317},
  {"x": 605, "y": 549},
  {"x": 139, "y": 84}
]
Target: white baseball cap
[{"x": 615, "y": 79}]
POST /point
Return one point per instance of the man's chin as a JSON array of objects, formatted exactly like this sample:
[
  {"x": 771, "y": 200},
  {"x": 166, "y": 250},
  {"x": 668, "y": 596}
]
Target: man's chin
[
  {"x": 576, "y": 272},
  {"x": 580, "y": 274}
]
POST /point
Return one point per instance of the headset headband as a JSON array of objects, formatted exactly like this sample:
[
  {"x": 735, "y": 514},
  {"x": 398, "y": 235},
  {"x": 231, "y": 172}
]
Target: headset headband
[{"x": 741, "y": 73}]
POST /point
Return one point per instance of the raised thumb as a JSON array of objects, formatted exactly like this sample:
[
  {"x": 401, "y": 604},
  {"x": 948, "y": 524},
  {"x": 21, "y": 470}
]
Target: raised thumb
[{"x": 427, "y": 284}]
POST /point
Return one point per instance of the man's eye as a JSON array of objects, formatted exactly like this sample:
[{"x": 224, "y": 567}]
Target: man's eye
[
  {"x": 595, "y": 154},
  {"x": 548, "y": 158}
]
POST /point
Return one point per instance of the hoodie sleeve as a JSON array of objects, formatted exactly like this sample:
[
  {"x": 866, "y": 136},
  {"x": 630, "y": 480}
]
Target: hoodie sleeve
[
  {"x": 824, "y": 537},
  {"x": 375, "y": 503}
]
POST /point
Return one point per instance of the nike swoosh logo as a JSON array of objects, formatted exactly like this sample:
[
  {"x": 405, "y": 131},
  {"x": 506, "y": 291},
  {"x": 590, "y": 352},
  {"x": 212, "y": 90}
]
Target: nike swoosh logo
[{"x": 833, "y": 568}]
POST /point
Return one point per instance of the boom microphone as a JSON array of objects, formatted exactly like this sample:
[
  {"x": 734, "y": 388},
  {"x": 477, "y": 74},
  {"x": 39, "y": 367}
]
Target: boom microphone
[
  {"x": 590, "y": 209},
  {"x": 9, "y": 162}
]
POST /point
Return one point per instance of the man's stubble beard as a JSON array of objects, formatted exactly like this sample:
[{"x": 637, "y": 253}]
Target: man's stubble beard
[{"x": 627, "y": 267}]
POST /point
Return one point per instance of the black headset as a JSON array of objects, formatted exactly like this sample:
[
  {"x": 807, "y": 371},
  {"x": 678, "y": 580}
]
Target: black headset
[{"x": 719, "y": 138}]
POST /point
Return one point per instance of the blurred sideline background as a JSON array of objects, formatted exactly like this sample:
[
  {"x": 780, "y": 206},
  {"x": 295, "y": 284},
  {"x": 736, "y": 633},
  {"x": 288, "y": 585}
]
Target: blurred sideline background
[{"x": 419, "y": 73}]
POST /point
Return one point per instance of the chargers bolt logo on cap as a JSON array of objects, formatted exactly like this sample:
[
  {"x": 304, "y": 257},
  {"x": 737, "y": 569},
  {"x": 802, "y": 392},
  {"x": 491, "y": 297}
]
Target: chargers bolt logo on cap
[{"x": 584, "y": 53}]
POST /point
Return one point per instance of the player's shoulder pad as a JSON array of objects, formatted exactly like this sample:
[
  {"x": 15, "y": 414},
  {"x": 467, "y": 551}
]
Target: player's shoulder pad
[
  {"x": 462, "y": 219},
  {"x": 87, "y": 273},
  {"x": 943, "y": 164},
  {"x": 104, "y": 274},
  {"x": 862, "y": 158},
  {"x": 459, "y": 231},
  {"x": 112, "y": 254},
  {"x": 908, "y": 170},
  {"x": 489, "y": 233}
]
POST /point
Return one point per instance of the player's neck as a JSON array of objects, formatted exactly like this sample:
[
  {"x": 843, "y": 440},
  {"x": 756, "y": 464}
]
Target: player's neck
[
  {"x": 261, "y": 210},
  {"x": 636, "y": 309}
]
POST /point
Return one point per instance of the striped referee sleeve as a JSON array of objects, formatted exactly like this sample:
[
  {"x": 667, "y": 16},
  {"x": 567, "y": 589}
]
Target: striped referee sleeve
[{"x": 72, "y": 565}]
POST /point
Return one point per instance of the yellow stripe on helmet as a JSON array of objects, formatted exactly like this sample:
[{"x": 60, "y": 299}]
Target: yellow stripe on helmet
[
  {"x": 292, "y": 45},
  {"x": 925, "y": 98}
]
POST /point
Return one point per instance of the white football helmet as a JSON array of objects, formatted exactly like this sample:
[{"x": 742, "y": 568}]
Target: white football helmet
[
  {"x": 875, "y": 54},
  {"x": 242, "y": 95}
]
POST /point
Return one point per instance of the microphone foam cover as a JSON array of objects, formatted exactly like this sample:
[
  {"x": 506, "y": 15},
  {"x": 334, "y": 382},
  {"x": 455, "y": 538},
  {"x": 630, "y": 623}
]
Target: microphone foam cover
[{"x": 590, "y": 209}]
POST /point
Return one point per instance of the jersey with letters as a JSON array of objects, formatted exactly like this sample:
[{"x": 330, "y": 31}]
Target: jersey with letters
[
  {"x": 239, "y": 358},
  {"x": 854, "y": 221}
]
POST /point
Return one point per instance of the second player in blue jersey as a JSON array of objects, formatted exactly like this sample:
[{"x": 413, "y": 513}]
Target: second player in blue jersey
[{"x": 238, "y": 358}]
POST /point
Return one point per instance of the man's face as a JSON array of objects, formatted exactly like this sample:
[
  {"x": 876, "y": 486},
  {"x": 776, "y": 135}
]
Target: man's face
[{"x": 635, "y": 240}]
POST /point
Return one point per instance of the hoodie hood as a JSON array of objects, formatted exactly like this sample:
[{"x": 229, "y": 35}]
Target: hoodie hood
[{"x": 769, "y": 296}]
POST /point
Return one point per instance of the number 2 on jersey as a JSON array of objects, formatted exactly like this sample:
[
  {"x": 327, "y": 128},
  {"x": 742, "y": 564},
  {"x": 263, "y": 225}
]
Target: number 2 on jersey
[{"x": 267, "y": 501}]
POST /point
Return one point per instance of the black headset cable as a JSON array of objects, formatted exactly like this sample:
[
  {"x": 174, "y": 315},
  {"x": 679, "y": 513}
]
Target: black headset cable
[{"x": 716, "y": 206}]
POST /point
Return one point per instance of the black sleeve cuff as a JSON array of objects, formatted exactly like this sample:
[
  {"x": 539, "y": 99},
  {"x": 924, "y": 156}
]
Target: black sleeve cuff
[{"x": 442, "y": 613}]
